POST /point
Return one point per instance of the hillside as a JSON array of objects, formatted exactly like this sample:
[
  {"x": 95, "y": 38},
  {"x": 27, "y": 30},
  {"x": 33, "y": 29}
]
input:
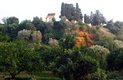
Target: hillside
[{"x": 77, "y": 47}]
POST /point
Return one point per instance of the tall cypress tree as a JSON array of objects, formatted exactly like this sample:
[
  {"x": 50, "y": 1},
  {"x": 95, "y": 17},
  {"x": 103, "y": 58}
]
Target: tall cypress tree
[
  {"x": 71, "y": 12},
  {"x": 87, "y": 18},
  {"x": 78, "y": 15}
]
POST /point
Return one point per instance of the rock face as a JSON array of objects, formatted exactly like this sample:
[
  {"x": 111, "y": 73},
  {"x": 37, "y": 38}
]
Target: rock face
[
  {"x": 25, "y": 34},
  {"x": 118, "y": 44},
  {"x": 37, "y": 36},
  {"x": 53, "y": 42}
]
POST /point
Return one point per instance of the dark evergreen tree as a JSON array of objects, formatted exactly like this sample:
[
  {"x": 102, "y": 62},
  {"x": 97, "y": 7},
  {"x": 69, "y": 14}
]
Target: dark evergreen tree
[
  {"x": 98, "y": 18},
  {"x": 87, "y": 19},
  {"x": 63, "y": 9},
  {"x": 71, "y": 12},
  {"x": 78, "y": 15}
]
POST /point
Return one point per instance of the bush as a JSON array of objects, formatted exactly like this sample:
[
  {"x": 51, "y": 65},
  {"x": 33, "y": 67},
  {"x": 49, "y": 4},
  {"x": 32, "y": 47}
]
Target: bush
[
  {"x": 115, "y": 60},
  {"x": 101, "y": 54},
  {"x": 98, "y": 75},
  {"x": 73, "y": 64},
  {"x": 112, "y": 75}
]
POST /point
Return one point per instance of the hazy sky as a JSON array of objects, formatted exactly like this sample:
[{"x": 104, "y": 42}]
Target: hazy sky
[{"x": 27, "y": 9}]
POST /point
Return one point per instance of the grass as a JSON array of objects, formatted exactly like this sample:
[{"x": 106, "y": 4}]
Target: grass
[
  {"x": 38, "y": 75},
  {"x": 44, "y": 73},
  {"x": 41, "y": 78}
]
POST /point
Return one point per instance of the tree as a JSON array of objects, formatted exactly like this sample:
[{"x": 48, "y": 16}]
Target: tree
[
  {"x": 58, "y": 30},
  {"x": 101, "y": 54},
  {"x": 98, "y": 18},
  {"x": 82, "y": 38},
  {"x": 48, "y": 55},
  {"x": 71, "y": 12},
  {"x": 78, "y": 14},
  {"x": 115, "y": 27},
  {"x": 119, "y": 60},
  {"x": 87, "y": 19},
  {"x": 4, "y": 37},
  {"x": 10, "y": 26},
  {"x": 67, "y": 41},
  {"x": 11, "y": 20},
  {"x": 39, "y": 24},
  {"x": 115, "y": 60},
  {"x": 16, "y": 57},
  {"x": 26, "y": 24},
  {"x": 112, "y": 27},
  {"x": 74, "y": 65}
]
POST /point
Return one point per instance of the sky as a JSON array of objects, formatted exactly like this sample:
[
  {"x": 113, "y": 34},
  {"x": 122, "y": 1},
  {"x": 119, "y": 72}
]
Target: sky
[{"x": 27, "y": 9}]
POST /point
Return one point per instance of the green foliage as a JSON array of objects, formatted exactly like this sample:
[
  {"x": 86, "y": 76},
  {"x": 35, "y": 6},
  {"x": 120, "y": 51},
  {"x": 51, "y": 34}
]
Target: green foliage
[
  {"x": 100, "y": 51},
  {"x": 61, "y": 56},
  {"x": 26, "y": 24},
  {"x": 98, "y": 75},
  {"x": 11, "y": 20},
  {"x": 41, "y": 26},
  {"x": 113, "y": 75},
  {"x": 16, "y": 57},
  {"x": 58, "y": 29},
  {"x": 83, "y": 26},
  {"x": 4, "y": 37},
  {"x": 101, "y": 54},
  {"x": 10, "y": 25},
  {"x": 102, "y": 37},
  {"x": 57, "y": 34},
  {"x": 97, "y": 18},
  {"x": 67, "y": 41},
  {"x": 87, "y": 18},
  {"x": 70, "y": 12},
  {"x": 116, "y": 27},
  {"x": 120, "y": 35},
  {"x": 74, "y": 64},
  {"x": 48, "y": 55},
  {"x": 115, "y": 60}
]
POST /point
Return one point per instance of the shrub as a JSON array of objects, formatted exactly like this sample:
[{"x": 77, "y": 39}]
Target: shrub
[
  {"x": 115, "y": 60},
  {"x": 101, "y": 54},
  {"x": 112, "y": 75},
  {"x": 98, "y": 75}
]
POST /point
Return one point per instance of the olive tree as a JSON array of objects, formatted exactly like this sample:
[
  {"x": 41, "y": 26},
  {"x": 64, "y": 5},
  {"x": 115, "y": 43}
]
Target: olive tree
[
  {"x": 16, "y": 57},
  {"x": 74, "y": 64}
]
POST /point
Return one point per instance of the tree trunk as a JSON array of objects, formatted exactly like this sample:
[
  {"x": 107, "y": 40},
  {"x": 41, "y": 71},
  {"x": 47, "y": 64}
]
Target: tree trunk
[{"x": 13, "y": 76}]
